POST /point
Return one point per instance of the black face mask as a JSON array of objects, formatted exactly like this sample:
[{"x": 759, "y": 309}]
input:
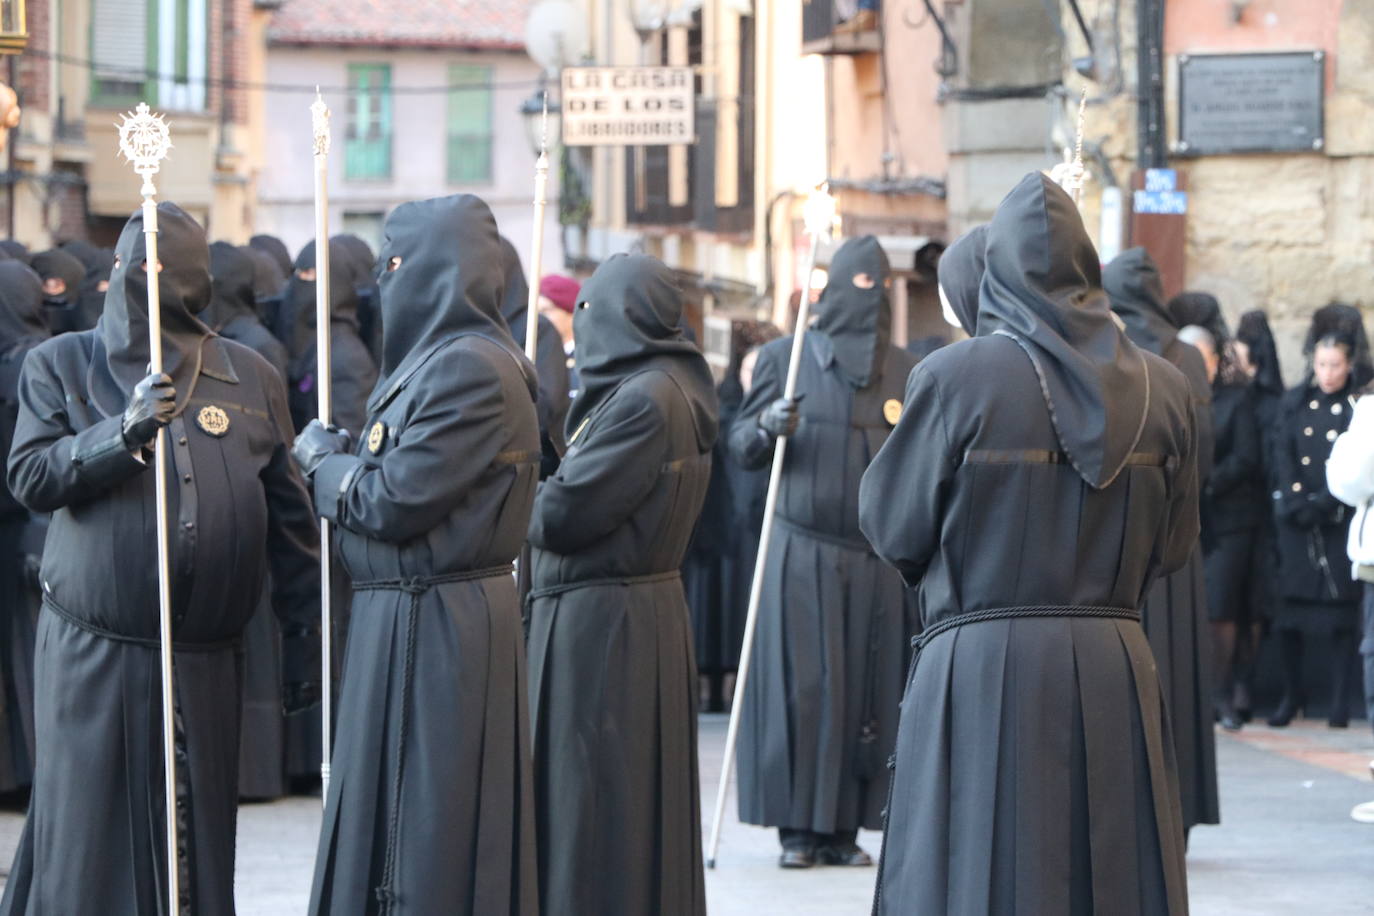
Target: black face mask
[
  {"x": 857, "y": 321},
  {"x": 961, "y": 276},
  {"x": 446, "y": 282},
  {"x": 628, "y": 320},
  {"x": 184, "y": 286}
]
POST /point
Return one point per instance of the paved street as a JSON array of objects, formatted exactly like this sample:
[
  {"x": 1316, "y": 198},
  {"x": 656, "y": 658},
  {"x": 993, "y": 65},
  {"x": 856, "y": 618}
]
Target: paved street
[{"x": 1287, "y": 846}]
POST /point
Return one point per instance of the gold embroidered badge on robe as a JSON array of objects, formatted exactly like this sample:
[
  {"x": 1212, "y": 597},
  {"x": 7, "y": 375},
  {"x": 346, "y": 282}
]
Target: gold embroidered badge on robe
[
  {"x": 213, "y": 420},
  {"x": 375, "y": 437},
  {"x": 892, "y": 411}
]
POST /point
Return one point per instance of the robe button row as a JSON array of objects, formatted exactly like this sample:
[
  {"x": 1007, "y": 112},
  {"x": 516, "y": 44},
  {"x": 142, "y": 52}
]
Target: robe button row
[
  {"x": 186, "y": 477},
  {"x": 1306, "y": 461},
  {"x": 182, "y": 440},
  {"x": 189, "y": 526},
  {"x": 1307, "y": 431}
]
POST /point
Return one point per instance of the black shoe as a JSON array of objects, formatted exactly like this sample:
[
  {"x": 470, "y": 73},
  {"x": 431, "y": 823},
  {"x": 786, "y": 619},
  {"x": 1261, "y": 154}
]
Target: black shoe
[
  {"x": 1339, "y": 719},
  {"x": 797, "y": 857},
  {"x": 1287, "y": 710},
  {"x": 849, "y": 855},
  {"x": 1229, "y": 719},
  {"x": 1240, "y": 702}
]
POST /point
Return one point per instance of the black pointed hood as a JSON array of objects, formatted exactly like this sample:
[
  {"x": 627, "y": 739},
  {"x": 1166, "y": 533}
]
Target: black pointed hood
[
  {"x": 449, "y": 283},
  {"x": 1137, "y": 294},
  {"x": 960, "y": 273},
  {"x": 1043, "y": 288},
  {"x": 268, "y": 278},
  {"x": 17, "y": 250},
  {"x": 231, "y": 295},
  {"x": 1253, "y": 331},
  {"x": 856, "y": 322},
  {"x": 21, "y": 306},
  {"x": 98, "y": 263},
  {"x": 184, "y": 285},
  {"x": 628, "y": 320},
  {"x": 515, "y": 302},
  {"x": 65, "y": 267},
  {"x": 275, "y": 249},
  {"x": 300, "y": 303}
]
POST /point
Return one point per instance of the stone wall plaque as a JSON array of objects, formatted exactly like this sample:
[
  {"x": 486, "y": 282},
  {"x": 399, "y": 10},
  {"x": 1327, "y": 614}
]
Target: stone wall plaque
[{"x": 1250, "y": 103}]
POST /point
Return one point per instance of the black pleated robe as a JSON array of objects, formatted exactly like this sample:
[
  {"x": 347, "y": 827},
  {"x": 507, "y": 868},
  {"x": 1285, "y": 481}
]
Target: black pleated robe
[
  {"x": 238, "y": 505},
  {"x": 22, "y": 327},
  {"x": 612, "y": 677},
  {"x": 1175, "y": 615},
  {"x": 1035, "y": 765},
  {"x": 262, "y": 748},
  {"x": 820, "y": 709},
  {"x": 430, "y": 807}
]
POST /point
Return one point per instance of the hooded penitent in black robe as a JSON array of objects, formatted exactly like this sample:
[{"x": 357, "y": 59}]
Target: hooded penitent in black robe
[
  {"x": 430, "y": 807},
  {"x": 63, "y": 309},
  {"x": 820, "y": 708},
  {"x": 362, "y": 266},
  {"x": 1175, "y": 615},
  {"x": 1040, "y": 478},
  {"x": 98, "y": 263},
  {"x": 94, "y": 835},
  {"x": 22, "y": 327},
  {"x": 612, "y": 679},
  {"x": 232, "y": 314},
  {"x": 352, "y": 370},
  {"x": 550, "y": 360},
  {"x": 275, "y": 248}
]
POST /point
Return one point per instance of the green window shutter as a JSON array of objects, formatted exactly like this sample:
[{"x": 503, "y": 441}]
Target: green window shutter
[
  {"x": 367, "y": 143},
  {"x": 123, "y": 39},
  {"x": 469, "y": 124}
]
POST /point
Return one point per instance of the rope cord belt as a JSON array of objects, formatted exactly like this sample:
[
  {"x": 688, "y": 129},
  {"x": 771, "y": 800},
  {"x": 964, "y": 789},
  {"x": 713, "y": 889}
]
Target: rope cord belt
[
  {"x": 220, "y": 645},
  {"x": 555, "y": 590},
  {"x": 1010, "y": 613},
  {"x": 414, "y": 586}
]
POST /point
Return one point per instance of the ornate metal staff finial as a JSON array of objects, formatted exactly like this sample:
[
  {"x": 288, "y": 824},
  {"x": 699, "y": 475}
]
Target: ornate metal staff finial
[
  {"x": 319, "y": 120},
  {"x": 144, "y": 139},
  {"x": 1070, "y": 174},
  {"x": 820, "y": 212}
]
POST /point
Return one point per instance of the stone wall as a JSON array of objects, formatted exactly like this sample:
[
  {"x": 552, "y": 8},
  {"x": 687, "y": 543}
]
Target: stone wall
[{"x": 1286, "y": 233}]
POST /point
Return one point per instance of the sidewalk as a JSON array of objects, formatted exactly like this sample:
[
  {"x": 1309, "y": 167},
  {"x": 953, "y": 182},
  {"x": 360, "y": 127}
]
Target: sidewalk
[{"x": 1286, "y": 846}]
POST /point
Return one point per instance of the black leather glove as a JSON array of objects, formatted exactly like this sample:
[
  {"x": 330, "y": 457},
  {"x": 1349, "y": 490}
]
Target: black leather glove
[
  {"x": 316, "y": 443},
  {"x": 151, "y": 407},
  {"x": 781, "y": 417}
]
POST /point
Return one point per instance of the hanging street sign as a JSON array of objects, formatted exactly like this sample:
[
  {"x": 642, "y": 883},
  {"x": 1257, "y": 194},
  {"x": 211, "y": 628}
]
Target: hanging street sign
[{"x": 628, "y": 106}]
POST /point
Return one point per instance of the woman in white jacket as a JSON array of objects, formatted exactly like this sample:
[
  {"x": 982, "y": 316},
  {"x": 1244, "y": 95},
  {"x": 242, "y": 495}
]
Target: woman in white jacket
[{"x": 1350, "y": 478}]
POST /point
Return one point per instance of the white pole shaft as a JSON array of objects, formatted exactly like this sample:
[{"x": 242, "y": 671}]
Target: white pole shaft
[
  {"x": 761, "y": 562},
  {"x": 541, "y": 182},
  {"x": 324, "y": 393},
  {"x": 164, "y": 584}
]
